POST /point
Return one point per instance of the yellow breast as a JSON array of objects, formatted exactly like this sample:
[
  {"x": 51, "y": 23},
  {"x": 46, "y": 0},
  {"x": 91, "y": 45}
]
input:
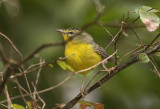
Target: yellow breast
[{"x": 81, "y": 56}]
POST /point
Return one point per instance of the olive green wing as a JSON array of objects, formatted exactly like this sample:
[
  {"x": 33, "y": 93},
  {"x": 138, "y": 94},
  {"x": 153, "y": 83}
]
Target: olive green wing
[
  {"x": 87, "y": 38},
  {"x": 102, "y": 52}
]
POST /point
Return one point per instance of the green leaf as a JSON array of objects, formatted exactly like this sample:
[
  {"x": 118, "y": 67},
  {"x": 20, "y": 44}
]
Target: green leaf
[
  {"x": 145, "y": 9},
  {"x": 64, "y": 65},
  {"x": 70, "y": 68},
  {"x": 149, "y": 18},
  {"x": 32, "y": 104},
  {"x": 87, "y": 103},
  {"x": 17, "y": 106},
  {"x": 51, "y": 65},
  {"x": 143, "y": 58}
]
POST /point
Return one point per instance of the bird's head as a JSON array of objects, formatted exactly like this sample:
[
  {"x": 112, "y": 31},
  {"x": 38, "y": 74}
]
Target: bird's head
[{"x": 70, "y": 32}]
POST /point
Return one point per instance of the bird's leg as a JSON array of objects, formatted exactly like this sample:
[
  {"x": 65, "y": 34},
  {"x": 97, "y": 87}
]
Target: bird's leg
[
  {"x": 104, "y": 66},
  {"x": 107, "y": 69},
  {"x": 82, "y": 87}
]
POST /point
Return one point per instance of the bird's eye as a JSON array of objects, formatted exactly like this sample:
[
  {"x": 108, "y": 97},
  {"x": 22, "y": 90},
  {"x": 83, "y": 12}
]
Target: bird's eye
[{"x": 71, "y": 32}]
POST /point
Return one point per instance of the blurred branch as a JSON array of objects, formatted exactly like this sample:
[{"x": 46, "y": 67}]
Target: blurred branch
[
  {"x": 4, "y": 106},
  {"x": 99, "y": 13},
  {"x": 38, "y": 73},
  {"x": 152, "y": 41},
  {"x": 44, "y": 90},
  {"x": 42, "y": 65},
  {"x": 7, "y": 97},
  {"x": 6, "y": 92},
  {"x": 35, "y": 91},
  {"x": 156, "y": 69},
  {"x": 12, "y": 44},
  {"x": 3, "y": 56},
  {"x": 118, "y": 24},
  {"x": 117, "y": 36},
  {"x": 136, "y": 35},
  {"x": 26, "y": 81},
  {"x": 6, "y": 65},
  {"x": 39, "y": 49},
  {"x": 10, "y": 69},
  {"x": 21, "y": 93}
]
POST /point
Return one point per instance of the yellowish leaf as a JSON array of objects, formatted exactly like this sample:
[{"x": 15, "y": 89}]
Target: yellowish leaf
[
  {"x": 17, "y": 106},
  {"x": 85, "y": 104},
  {"x": 64, "y": 65},
  {"x": 51, "y": 65}
]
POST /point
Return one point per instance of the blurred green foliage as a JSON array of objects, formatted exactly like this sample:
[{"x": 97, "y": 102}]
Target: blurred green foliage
[{"x": 136, "y": 87}]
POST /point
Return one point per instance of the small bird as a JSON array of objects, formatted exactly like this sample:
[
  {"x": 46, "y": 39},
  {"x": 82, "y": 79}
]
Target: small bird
[{"x": 81, "y": 51}]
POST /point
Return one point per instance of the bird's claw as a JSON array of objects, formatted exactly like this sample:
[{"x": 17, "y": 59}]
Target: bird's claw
[
  {"x": 109, "y": 69},
  {"x": 83, "y": 93}
]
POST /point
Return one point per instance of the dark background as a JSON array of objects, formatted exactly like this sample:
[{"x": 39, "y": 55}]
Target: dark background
[{"x": 136, "y": 87}]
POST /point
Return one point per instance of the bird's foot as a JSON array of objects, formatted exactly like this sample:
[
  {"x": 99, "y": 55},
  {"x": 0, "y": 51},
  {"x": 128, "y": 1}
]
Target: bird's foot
[
  {"x": 108, "y": 70},
  {"x": 83, "y": 92}
]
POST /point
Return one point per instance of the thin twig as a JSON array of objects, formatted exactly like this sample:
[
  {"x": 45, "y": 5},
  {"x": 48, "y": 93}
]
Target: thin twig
[
  {"x": 105, "y": 29},
  {"x": 35, "y": 90},
  {"x": 15, "y": 5},
  {"x": 91, "y": 80},
  {"x": 136, "y": 36},
  {"x": 26, "y": 80},
  {"x": 12, "y": 44},
  {"x": 8, "y": 97},
  {"x": 156, "y": 69},
  {"x": 41, "y": 48},
  {"x": 3, "y": 56},
  {"x": 152, "y": 41},
  {"x": 113, "y": 38},
  {"x": 97, "y": 17},
  {"x": 127, "y": 17},
  {"x": 9, "y": 69},
  {"x": 6, "y": 92},
  {"x": 29, "y": 70},
  {"x": 38, "y": 73},
  {"x": 21, "y": 93},
  {"x": 115, "y": 42},
  {"x": 132, "y": 51},
  {"x": 29, "y": 94},
  {"x": 59, "y": 84},
  {"x": 44, "y": 90}
]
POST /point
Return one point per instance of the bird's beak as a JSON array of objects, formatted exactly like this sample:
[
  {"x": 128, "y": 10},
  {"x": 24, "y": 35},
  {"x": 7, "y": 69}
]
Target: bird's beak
[{"x": 61, "y": 31}]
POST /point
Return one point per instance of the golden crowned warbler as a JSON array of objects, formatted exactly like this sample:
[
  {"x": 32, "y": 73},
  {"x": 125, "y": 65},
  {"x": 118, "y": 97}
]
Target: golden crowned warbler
[{"x": 81, "y": 51}]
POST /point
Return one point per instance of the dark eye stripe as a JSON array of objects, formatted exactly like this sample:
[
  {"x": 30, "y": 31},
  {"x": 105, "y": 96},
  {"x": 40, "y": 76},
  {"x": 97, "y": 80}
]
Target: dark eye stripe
[{"x": 70, "y": 32}]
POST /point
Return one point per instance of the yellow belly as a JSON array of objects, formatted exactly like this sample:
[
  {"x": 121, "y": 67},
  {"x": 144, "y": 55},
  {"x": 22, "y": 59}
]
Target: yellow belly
[{"x": 81, "y": 56}]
